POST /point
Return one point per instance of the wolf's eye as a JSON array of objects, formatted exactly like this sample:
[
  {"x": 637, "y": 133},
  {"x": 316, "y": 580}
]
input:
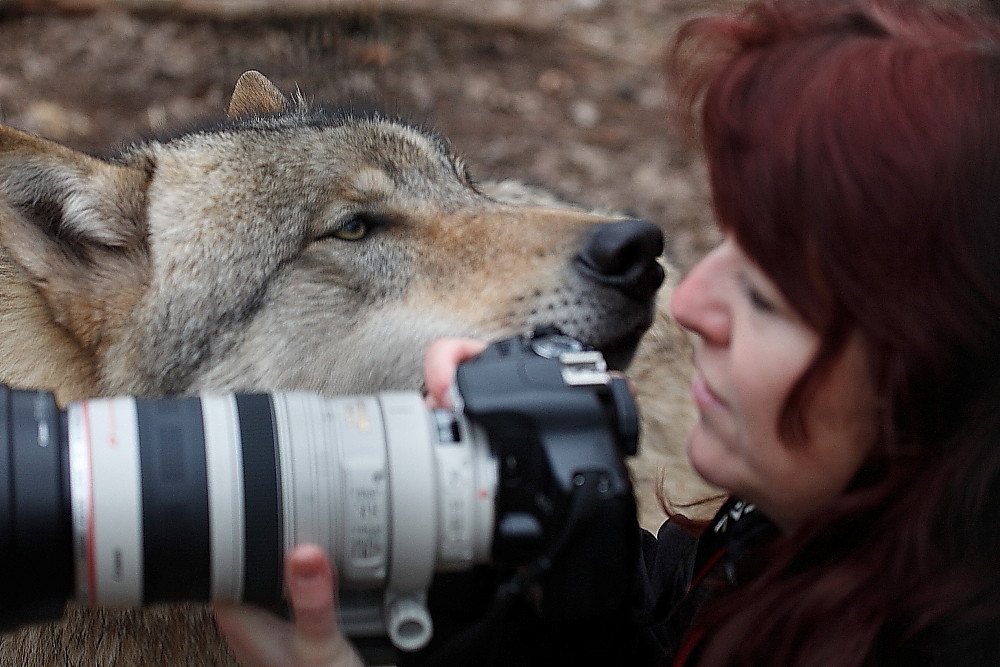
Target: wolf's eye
[
  {"x": 358, "y": 227},
  {"x": 354, "y": 229}
]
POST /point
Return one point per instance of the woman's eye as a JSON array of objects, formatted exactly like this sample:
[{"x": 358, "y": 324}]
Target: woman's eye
[
  {"x": 756, "y": 299},
  {"x": 760, "y": 302}
]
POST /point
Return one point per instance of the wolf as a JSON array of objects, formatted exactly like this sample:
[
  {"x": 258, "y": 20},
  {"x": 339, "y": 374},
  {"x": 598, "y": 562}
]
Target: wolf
[{"x": 293, "y": 247}]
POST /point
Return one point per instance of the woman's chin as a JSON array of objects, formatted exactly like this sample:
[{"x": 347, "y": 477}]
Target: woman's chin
[{"x": 708, "y": 457}]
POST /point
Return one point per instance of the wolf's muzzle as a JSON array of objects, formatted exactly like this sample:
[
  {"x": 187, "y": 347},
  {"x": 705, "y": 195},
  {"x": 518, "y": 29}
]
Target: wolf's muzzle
[{"x": 622, "y": 255}]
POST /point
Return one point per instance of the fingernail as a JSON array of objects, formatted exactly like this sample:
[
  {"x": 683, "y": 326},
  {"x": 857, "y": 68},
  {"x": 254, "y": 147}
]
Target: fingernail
[{"x": 308, "y": 569}]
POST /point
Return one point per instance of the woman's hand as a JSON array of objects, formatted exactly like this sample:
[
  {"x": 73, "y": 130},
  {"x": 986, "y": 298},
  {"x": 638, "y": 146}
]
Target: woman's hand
[
  {"x": 440, "y": 361},
  {"x": 259, "y": 638}
]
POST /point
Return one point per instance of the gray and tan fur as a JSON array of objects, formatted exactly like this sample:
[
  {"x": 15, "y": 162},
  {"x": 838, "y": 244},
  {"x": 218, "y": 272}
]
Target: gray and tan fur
[{"x": 287, "y": 248}]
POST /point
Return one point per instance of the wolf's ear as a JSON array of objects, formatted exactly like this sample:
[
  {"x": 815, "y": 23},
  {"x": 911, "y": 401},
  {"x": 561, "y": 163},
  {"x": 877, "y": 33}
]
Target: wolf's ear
[
  {"x": 74, "y": 223},
  {"x": 255, "y": 95}
]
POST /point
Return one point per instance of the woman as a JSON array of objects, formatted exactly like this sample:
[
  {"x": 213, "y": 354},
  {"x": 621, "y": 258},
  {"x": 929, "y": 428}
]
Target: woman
[{"x": 849, "y": 334}]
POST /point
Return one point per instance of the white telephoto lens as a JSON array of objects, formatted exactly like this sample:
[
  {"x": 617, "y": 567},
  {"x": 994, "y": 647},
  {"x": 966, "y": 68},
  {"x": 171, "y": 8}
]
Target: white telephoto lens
[
  {"x": 223, "y": 485},
  {"x": 369, "y": 479},
  {"x": 223, "y": 457},
  {"x": 106, "y": 502},
  {"x": 334, "y": 481}
]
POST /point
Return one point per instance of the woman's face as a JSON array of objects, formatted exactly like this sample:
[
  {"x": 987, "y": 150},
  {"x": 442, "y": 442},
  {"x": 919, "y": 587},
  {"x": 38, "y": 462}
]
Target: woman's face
[{"x": 752, "y": 349}]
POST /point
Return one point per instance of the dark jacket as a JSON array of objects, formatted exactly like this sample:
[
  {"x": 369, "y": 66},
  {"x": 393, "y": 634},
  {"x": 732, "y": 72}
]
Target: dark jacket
[
  {"x": 672, "y": 581},
  {"x": 681, "y": 574},
  {"x": 678, "y": 574}
]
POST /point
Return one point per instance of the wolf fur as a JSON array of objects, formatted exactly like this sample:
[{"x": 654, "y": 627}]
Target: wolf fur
[{"x": 288, "y": 248}]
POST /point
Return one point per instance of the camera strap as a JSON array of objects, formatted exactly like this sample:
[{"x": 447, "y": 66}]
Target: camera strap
[{"x": 481, "y": 643}]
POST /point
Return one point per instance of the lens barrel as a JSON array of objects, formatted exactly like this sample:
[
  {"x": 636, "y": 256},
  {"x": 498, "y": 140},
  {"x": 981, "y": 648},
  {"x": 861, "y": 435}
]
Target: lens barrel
[
  {"x": 263, "y": 538},
  {"x": 36, "y": 554},
  {"x": 129, "y": 502},
  {"x": 176, "y": 499},
  {"x": 187, "y": 552}
]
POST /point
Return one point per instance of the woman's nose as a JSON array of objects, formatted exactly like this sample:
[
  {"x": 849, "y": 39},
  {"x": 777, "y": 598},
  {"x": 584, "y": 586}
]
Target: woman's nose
[{"x": 698, "y": 304}]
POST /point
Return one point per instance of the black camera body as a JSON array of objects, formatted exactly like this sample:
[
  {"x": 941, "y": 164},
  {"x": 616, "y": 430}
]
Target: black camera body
[
  {"x": 560, "y": 426},
  {"x": 526, "y": 477}
]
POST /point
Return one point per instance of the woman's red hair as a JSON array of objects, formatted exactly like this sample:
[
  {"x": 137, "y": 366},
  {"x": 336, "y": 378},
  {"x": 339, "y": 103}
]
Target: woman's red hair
[{"x": 854, "y": 153}]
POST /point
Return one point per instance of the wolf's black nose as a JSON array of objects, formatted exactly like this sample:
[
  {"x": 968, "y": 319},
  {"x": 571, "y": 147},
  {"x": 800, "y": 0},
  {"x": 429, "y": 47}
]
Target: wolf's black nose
[{"x": 623, "y": 255}]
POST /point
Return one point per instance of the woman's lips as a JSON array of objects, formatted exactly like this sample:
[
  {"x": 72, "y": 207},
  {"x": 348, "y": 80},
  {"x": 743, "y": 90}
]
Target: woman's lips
[{"x": 704, "y": 397}]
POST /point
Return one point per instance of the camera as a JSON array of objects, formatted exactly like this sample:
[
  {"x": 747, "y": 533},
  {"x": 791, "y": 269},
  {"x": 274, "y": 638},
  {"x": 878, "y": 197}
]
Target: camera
[{"x": 130, "y": 501}]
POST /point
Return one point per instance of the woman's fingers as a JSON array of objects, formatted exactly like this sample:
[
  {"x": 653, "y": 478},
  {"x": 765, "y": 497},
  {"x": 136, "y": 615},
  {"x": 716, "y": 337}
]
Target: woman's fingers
[
  {"x": 259, "y": 638},
  {"x": 440, "y": 361},
  {"x": 312, "y": 591}
]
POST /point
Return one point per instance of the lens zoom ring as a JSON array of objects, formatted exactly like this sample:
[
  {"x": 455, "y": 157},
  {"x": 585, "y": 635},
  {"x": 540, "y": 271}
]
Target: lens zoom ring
[{"x": 262, "y": 500}]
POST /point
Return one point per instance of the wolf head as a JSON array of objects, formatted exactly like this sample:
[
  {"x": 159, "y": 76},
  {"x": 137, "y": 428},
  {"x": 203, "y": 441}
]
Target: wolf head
[{"x": 289, "y": 248}]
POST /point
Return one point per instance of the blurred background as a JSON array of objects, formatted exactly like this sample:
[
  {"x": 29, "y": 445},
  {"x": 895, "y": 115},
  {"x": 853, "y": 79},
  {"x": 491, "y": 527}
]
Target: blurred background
[{"x": 566, "y": 94}]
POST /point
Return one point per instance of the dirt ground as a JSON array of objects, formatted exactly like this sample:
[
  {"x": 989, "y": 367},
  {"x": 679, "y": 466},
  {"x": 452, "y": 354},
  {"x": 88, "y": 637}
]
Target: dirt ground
[{"x": 562, "y": 93}]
